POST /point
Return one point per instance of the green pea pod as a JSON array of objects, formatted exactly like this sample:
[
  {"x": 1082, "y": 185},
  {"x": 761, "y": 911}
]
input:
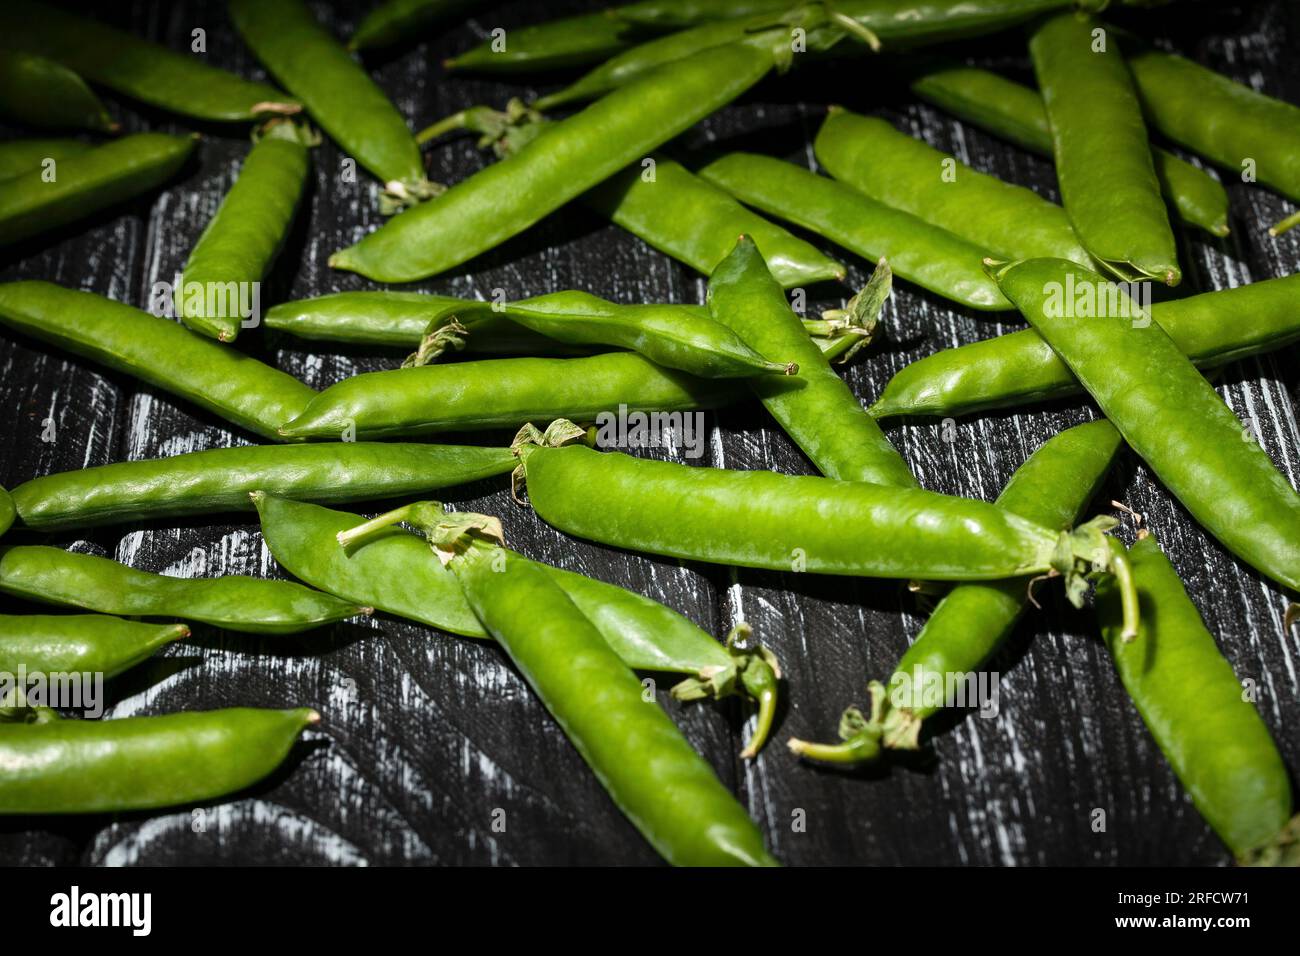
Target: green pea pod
[
  {"x": 7, "y": 511},
  {"x": 565, "y": 160},
  {"x": 893, "y": 168},
  {"x": 1193, "y": 704},
  {"x": 141, "y": 763},
  {"x": 1019, "y": 368},
  {"x": 1052, "y": 488},
  {"x": 670, "y": 794},
  {"x": 676, "y": 14},
  {"x": 40, "y": 92},
  {"x": 80, "y": 643},
  {"x": 234, "y": 602},
  {"x": 1016, "y": 113},
  {"x": 20, "y": 156},
  {"x": 399, "y": 21},
  {"x": 932, "y": 257},
  {"x": 816, "y": 408},
  {"x": 220, "y": 479},
  {"x": 155, "y": 350},
  {"x": 500, "y": 393},
  {"x": 1169, "y": 414},
  {"x": 553, "y": 45},
  {"x": 340, "y": 96},
  {"x": 1103, "y": 155},
  {"x": 176, "y": 82},
  {"x": 239, "y": 245},
  {"x": 80, "y": 186}
]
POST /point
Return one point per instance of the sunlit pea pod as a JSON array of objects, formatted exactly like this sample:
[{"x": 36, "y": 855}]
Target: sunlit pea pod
[
  {"x": 394, "y": 22},
  {"x": 39, "y": 92},
  {"x": 553, "y": 45},
  {"x": 54, "y": 576},
  {"x": 19, "y": 156},
  {"x": 80, "y": 643}
]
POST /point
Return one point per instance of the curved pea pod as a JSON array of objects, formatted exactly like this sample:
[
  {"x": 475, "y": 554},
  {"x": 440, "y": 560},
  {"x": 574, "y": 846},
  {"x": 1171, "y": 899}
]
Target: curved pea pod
[
  {"x": 240, "y": 389},
  {"x": 7, "y": 511},
  {"x": 141, "y": 763},
  {"x": 340, "y": 96},
  {"x": 80, "y": 186},
  {"x": 552, "y": 45},
  {"x": 893, "y": 168},
  {"x": 1053, "y": 488},
  {"x": 20, "y": 156},
  {"x": 236, "y": 250},
  {"x": 1168, "y": 413},
  {"x": 932, "y": 257},
  {"x": 234, "y": 602},
  {"x": 500, "y": 393},
  {"x": 220, "y": 479},
  {"x": 40, "y": 92},
  {"x": 1103, "y": 155},
  {"x": 397, "y": 21},
  {"x": 1016, "y": 113},
  {"x": 1010, "y": 371},
  {"x": 1194, "y": 707},
  {"x": 816, "y": 408},
  {"x": 80, "y": 643},
  {"x": 565, "y": 160},
  {"x": 144, "y": 71}
]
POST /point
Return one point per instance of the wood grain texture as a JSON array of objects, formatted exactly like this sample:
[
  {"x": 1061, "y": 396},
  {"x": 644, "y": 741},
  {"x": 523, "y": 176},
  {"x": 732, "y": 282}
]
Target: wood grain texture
[{"x": 425, "y": 735}]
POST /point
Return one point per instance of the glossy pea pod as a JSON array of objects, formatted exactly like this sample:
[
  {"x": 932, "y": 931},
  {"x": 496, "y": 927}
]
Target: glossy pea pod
[
  {"x": 220, "y": 480},
  {"x": 500, "y": 393},
  {"x": 241, "y": 242},
  {"x": 103, "y": 177},
  {"x": 141, "y": 763},
  {"x": 20, "y": 156},
  {"x": 155, "y": 350},
  {"x": 922, "y": 253},
  {"x": 1101, "y": 148},
  {"x": 340, "y": 96},
  {"x": 893, "y": 168},
  {"x": 1053, "y": 488},
  {"x": 1170, "y": 415},
  {"x": 668, "y": 792},
  {"x": 1019, "y": 368},
  {"x": 80, "y": 643},
  {"x": 1193, "y": 704},
  {"x": 400, "y": 21},
  {"x": 562, "y": 162},
  {"x": 234, "y": 602},
  {"x": 551, "y": 45},
  {"x": 40, "y": 92},
  {"x": 816, "y": 409},
  {"x": 7, "y": 511},
  {"x": 1016, "y": 113},
  {"x": 177, "y": 82}
]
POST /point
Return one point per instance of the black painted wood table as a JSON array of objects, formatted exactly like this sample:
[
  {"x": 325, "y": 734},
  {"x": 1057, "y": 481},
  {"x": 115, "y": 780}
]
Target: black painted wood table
[{"x": 432, "y": 748}]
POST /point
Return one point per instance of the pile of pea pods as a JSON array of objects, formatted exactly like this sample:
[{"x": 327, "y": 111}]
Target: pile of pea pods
[{"x": 543, "y": 368}]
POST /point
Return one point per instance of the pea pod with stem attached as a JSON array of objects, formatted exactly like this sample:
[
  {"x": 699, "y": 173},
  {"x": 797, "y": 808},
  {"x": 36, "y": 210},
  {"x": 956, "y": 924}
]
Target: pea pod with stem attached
[
  {"x": 141, "y": 763},
  {"x": 33, "y": 203},
  {"x": 176, "y": 82},
  {"x": 1012, "y": 370},
  {"x": 40, "y": 92},
  {"x": 239, "y": 245},
  {"x": 399, "y": 21},
  {"x": 80, "y": 643},
  {"x": 1102, "y": 151},
  {"x": 552, "y": 45},
  {"x": 20, "y": 156},
  {"x": 155, "y": 350},
  {"x": 235, "y": 602},
  {"x": 670, "y": 794},
  {"x": 1168, "y": 413},
  {"x": 1052, "y": 488}
]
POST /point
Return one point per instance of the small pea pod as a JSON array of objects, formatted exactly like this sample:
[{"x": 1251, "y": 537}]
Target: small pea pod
[
  {"x": 141, "y": 763},
  {"x": 1194, "y": 707},
  {"x": 1103, "y": 155},
  {"x": 639, "y": 756},
  {"x": 55, "y": 576},
  {"x": 40, "y": 92},
  {"x": 176, "y": 82},
  {"x": 553, "y": 45},
  {"x": 1053, "y": 488},
  {"x": 398, "y": 21},
  {"x": 155, "y": 350},
  {"x": 80, "y": 186},
  {"x": 80, "y": 643},
  {"x": 220, "y": 479},
  {"x": 7, "y": 511},
  {"x": 816, "y": 408},
  {"x": 1168, "y": 413},
  {"x": 20, "y": 156},
  {"x": 932, "y": 257},
  {"x": 236, "y": 250}
]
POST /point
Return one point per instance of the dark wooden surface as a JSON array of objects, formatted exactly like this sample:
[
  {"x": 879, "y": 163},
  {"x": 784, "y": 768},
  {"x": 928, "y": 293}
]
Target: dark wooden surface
[{"x": 426, "y": 735}]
